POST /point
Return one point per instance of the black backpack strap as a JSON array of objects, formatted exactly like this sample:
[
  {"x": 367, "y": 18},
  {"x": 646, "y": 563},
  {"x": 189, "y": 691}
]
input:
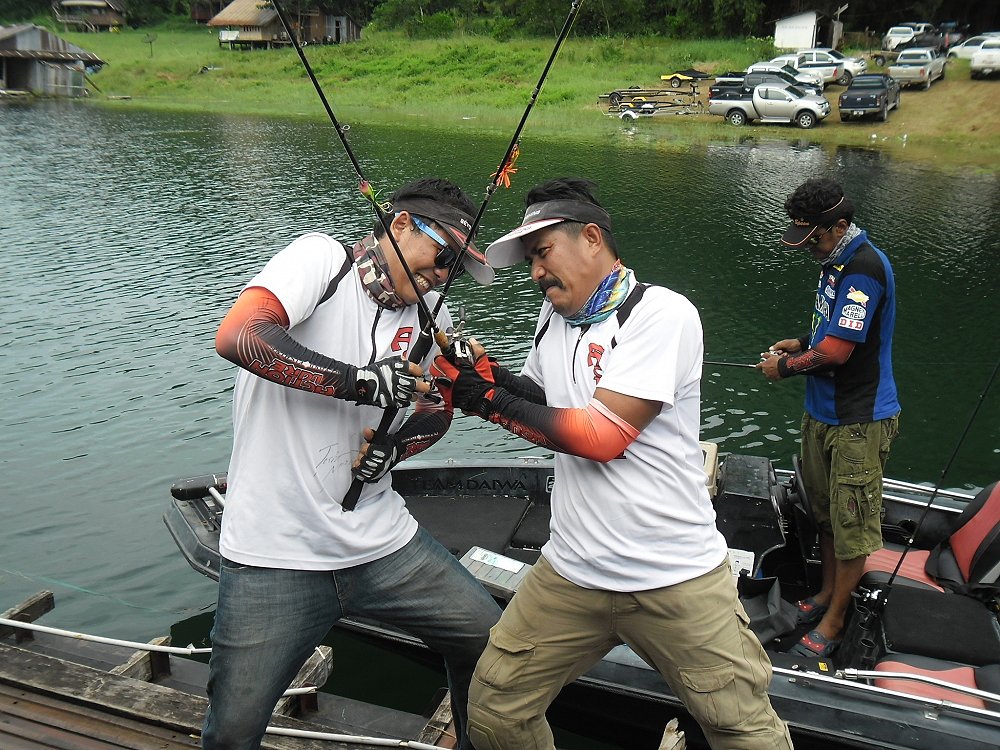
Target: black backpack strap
[
  {"x": 542, "y": 330},
  {"x": 335, "y": 281},
  {"x": 627, "y": 307}
]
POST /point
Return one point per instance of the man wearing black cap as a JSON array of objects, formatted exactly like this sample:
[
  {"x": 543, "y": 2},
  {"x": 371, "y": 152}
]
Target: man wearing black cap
[
  {"x": 612, "y": 385},
  {"x": 320, "y": 334},
  {"x": 851, "y": 410}
]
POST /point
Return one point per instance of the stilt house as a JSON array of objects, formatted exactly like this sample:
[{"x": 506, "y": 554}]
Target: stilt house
[{"x": 251, "y": 24}]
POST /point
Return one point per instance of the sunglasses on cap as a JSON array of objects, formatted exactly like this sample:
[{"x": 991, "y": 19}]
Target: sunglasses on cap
[{"x": 446, "y": 254}]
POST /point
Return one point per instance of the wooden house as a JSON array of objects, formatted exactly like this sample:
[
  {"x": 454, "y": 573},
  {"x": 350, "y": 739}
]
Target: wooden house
[
  {"x": 250, "y": 24},
  {"x": 89, "y": 15},
  {"x": 203, "y": 11},
  {"x": 35, "y": 60}
]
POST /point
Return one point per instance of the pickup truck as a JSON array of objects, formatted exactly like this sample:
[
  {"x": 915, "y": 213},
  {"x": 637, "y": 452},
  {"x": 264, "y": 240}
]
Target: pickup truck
[
  {"x": 987, "y": 60},
  {"x": 772, "y": 103},
  {"x": 919, "y": 66}
]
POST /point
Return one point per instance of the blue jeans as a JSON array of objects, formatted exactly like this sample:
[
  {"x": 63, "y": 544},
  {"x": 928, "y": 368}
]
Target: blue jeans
[{"x": 269, "y": 621}]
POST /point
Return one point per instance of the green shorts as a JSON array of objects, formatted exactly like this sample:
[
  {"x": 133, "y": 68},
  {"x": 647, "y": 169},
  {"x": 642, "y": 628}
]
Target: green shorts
[{"x": 842, "y": 469}]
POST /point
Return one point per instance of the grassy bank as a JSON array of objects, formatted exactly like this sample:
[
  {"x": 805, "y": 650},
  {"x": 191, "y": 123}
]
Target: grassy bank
[{"x": 477, "y": 83}]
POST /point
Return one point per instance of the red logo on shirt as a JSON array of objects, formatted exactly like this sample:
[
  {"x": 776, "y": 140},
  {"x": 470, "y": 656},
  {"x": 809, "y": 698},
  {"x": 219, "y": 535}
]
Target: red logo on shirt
[
  {"x": 402, "y": 341},
  {"x": 594, "y": 355}
]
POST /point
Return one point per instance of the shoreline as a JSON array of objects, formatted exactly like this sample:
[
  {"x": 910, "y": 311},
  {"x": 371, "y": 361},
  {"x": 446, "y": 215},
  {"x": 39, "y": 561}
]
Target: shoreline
[{"x": 480, "y": 86}]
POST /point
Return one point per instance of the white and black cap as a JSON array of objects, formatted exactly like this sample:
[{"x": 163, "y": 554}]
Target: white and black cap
[{"x": 509, "y": 249}]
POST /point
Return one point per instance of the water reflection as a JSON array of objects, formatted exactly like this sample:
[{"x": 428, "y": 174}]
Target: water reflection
[{"x": 128, "y": 234}]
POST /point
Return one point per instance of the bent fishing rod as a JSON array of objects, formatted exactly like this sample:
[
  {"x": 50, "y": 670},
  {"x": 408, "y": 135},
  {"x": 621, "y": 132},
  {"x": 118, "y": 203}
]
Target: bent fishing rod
[
  {"x": 502, "y": 174},
  {"x": 364, "y": 186}
]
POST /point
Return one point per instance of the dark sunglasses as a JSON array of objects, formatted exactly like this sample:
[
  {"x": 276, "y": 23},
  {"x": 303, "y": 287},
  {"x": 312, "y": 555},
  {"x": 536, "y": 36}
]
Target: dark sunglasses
[
  {"x": 814, "y": 240},
  {"x": 446, "y": 254}
]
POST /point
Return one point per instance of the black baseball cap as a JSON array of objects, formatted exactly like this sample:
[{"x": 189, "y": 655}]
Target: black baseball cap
[
  {"x": 803, "y": 227},
  {"x": 509, "y": 249}
]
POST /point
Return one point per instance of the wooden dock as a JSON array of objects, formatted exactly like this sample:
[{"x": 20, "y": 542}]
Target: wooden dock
[{"x": 69, "y": 694}]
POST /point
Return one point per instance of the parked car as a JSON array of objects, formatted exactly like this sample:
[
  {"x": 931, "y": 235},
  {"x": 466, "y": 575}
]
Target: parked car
[
  {"x": 919, "y": 66},
  {"x": 987, "y": 60},
  {"x": 869, "y": 94},
  {"x": 853, "y": 66},
  {"x": 898, "y": 37},
  {"x": 828, "y": 71},
  {"x": 926, "y": 35},
  {"x": 965, "y": 50},
  {"x": 802, "y": 76},
  {"x": 751, "y": 80},
  {"x": 772, "y": 103}
]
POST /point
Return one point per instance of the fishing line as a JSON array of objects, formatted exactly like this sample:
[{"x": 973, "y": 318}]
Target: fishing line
[
  {"x": 419, "y": 349},
  {"x": 365, "y": 187}
]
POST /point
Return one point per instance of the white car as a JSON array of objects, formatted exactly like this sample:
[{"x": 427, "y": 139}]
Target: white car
[
  {"x": 987, "y": 60},
  {"x": 803, "y": 76},
  {"x": 896, "y": 36},
  {"x": 853, "y": 66},
  {"x": 965, "y": 50},
  {"x": 829, "y": 71}
]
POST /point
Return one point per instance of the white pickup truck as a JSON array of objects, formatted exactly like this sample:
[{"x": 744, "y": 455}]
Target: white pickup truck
[
  {"x": 919, "y": 66},
  {"x": 771, "y": 103}
]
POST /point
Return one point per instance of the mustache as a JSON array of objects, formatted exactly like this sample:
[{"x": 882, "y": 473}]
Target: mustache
[{"x": 545, "y": 284}]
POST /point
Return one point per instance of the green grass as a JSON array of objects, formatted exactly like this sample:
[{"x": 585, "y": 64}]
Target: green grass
[{"x": 466, "y": 82}]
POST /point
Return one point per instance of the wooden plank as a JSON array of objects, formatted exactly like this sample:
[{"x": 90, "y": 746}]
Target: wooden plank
[
  {"x": 440, "y": 730},
  {"x": 145, "y": 702},
  {"x": 315, "y": 671},
  {"x": 146, "y": 665},
  {"x": 27, "y": 611}
]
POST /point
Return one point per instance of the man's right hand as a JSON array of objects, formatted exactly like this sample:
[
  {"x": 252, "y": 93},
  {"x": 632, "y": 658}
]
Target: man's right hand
[
  {"x": 389, "y": 382},
  {"x": 785, "y": 346}
]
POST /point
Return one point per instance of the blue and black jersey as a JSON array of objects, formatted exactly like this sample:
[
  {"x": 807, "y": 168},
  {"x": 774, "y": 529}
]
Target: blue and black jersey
[{"x": 856, "y": 301}]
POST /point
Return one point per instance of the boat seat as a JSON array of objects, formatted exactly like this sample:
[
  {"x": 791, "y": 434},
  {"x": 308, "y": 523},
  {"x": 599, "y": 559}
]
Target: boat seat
[
  {"x": 940, "y": 625},
  {"x": 497, "y": 516},
  {"x": 969, "y": 557},
  {"x": 986, "y": 678}
]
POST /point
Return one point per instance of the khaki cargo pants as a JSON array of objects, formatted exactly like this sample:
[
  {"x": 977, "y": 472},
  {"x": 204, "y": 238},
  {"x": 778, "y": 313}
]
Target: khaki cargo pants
[{"x": 695, "y": 633}]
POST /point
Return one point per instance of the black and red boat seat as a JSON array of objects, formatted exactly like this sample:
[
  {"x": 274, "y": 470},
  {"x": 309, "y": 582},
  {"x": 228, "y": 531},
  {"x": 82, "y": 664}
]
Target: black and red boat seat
[
  {"x": 985, "y": 678},
  {"x": 968, "y": 558}
]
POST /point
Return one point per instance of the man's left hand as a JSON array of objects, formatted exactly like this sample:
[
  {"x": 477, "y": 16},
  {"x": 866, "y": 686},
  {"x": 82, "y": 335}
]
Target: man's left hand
[
  {"x": 467, "y": 387},
  {"x": 375, "y": 458}
]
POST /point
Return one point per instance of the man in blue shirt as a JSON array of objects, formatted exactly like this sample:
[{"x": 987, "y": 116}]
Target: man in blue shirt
[{"x": 851, "y": 410}]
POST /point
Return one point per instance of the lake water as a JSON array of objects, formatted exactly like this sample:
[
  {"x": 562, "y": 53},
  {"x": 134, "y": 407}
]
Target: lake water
[{"x": 127, "y": 235}]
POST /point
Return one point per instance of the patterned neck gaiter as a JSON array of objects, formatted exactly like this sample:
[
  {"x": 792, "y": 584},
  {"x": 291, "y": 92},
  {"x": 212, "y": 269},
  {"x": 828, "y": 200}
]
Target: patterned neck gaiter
[
  {"x": 608, "y": 296},
  {"x": 374, "y": 273},
  {"x": 850, "y": 234}
]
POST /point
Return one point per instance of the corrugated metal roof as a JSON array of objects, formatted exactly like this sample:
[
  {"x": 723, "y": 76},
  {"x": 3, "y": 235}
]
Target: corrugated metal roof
[
  {"x": 244, "y": 13},
  {"x": 45, "y": 54}
]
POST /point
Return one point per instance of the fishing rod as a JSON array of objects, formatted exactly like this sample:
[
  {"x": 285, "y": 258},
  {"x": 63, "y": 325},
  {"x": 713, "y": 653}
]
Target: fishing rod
[
  {"x": 364, "y": 186},
  {"x": 502, "y": 174},
  {"x": 868, "y": 615},
  {"x": 727, "y": 364}
]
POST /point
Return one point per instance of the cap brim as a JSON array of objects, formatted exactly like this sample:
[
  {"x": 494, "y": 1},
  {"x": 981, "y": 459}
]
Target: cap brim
[
  {"x": 473, "y": 261},
  {"x": 796, "y": 235},
  {"x": 509, "y": 250}
]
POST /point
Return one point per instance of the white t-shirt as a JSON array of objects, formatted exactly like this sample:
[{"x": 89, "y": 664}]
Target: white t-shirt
[
  {"x": 292, "y": 450},
  {"x": 643, "y": 521}
]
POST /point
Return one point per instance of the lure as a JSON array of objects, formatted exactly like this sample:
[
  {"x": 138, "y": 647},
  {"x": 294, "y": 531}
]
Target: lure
[
  {"x": 508, "y": 168},
  {"x": 373, "y": 195}
]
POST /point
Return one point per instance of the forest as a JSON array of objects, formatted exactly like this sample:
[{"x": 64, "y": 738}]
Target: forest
[{"x": 670, "y": 18}]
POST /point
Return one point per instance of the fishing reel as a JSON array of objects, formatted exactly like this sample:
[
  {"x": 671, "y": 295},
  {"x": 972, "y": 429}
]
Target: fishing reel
[{"x": 457, "y": 347}]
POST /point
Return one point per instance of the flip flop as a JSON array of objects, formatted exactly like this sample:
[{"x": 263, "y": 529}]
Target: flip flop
[
  {"x": 809, "y": 611},
  {"x": 814, "y": 644}
]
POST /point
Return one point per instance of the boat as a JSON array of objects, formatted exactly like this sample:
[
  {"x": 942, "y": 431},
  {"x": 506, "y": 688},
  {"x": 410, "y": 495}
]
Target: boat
[
  {"x": 914, "y": 671},
  {"x": 65, "y": 689}
]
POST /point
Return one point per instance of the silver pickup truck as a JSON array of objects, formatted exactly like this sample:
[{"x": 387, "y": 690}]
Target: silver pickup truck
[
  {"x": 919, "y": 66},
  {"x": 771, "y": 103}
]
